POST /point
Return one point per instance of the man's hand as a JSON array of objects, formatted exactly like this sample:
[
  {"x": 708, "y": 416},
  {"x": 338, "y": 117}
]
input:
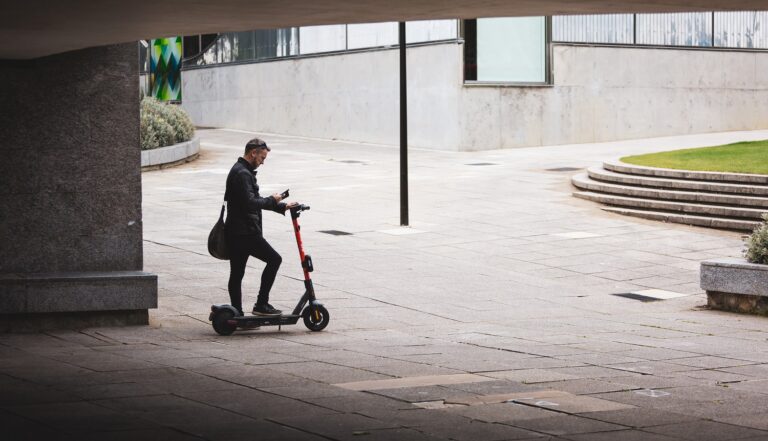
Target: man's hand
[
  {"x": 291, "y": 205},
  {"x": 278, "y": 197}
]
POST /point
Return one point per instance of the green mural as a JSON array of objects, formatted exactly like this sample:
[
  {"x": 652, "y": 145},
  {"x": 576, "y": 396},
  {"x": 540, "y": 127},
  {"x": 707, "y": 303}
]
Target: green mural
[{"x": 165, "y": 68}]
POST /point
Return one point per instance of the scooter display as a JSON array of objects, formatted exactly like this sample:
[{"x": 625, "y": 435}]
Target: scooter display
[{"x": 225, "y": 320}]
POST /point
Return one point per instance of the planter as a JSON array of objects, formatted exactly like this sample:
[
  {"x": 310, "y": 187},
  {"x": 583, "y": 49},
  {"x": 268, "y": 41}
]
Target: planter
[
  {"x": 735, "y": 285},
  {"x": 172, "y": 155}
]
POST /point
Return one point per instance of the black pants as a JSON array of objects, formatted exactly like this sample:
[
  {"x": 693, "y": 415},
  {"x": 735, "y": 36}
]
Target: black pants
[{"x": 241, "y": 247}]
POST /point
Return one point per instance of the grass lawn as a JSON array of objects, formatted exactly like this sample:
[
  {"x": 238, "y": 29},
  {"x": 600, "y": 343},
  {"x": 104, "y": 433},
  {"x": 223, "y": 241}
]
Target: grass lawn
[{"x": 741, "y": 157}]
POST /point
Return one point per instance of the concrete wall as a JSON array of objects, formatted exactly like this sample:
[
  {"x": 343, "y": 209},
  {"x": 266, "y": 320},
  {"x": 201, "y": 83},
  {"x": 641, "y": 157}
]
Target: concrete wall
[
  {"x": 606, "y": 94},
  {"x": 347, "y": 97},
  {"x": 599, "y": 94},
  {"x": 70, "y": 181}
]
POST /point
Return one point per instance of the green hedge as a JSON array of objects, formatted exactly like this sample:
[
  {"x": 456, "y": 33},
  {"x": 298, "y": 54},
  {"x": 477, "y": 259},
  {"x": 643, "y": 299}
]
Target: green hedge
[{"x": 163, "y": 124}]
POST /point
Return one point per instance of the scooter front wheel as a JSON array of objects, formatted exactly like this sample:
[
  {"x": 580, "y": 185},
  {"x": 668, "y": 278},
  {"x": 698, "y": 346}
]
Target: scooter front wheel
[
  {"x": 221, "y": 324},
  {"x": 316, "y": 318}
]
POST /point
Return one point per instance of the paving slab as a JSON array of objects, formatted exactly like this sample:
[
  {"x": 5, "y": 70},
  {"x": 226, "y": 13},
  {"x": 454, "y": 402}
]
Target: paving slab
[
  {"x": 506, "y": 412},
  {"x": 420, "y": 393},
  {"x": 706, "y": 430},
  {"x": 574, "y": 404},
  {"x": 755, "y": 421},
  {"x": 427, "y": 380},
  {"x": 334, "y": 426},
  {"x": 471, "y": 430},
  {"x": 567, "y": 425},
  {"x": 624, "y": 435},
  {"x": 638, "y": 417}
]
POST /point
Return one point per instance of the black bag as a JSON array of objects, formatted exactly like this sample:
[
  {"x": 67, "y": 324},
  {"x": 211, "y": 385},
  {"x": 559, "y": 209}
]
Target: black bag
[{"x": 218, "y": 246}]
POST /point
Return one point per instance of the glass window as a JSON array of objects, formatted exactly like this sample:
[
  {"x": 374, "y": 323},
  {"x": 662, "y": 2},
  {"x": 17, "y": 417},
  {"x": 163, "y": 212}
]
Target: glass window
[
  {"x": 679, "y": 29},
  {"x": 429, "y": 30},
  {"x": 287, "y": 42},
  {"x": 607, "y": 28},
  {"x": 143, "y": 56},
  {"x": 745, "y": 29},
  {"x": 315, "y": 39},
  {"x": 510, "y": 50},
  {"x": 243, "y": 46},
  {"x": 224, "y": 48},
  {"x": 372, "y": 35}
]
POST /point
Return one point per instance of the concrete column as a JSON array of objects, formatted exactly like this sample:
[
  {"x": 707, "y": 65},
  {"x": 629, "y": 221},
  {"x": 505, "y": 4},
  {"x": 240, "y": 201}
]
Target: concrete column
[{"x": 70, "y": 191}]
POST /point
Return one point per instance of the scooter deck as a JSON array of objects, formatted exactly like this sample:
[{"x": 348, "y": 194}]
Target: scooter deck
[{"x": 249, "y": 321}]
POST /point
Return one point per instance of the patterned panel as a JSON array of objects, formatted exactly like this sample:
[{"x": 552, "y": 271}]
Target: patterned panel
[{"x": 165, "y": 68}]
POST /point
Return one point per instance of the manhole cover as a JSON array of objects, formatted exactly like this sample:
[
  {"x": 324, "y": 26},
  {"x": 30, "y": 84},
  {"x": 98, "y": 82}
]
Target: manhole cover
[
  {"x": 563, "y": 169},
  {"x": 336, "y": 232},
  {"x": 483, "y": 163}
]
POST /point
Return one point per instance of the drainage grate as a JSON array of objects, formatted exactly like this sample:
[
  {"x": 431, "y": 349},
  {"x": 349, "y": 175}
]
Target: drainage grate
[
  {"x": 650, "y": 295},
  {"x": 483, "y": 163},
  {"x": 336, "y": 232},
  {"x": 349, "y": 161},
  {"x": 563, "y": 169},
  {"x": 633, "y": 296}
]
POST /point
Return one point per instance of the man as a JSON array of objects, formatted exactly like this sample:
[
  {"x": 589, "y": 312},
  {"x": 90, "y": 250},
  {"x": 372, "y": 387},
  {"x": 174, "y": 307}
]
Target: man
[{"x": 245, "y": 234}]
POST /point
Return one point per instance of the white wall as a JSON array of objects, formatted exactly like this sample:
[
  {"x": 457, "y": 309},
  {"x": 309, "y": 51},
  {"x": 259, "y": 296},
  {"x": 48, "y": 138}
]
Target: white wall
[
  {"x": 346, "y": 97},
  {"x": 605, "y": 94},
  {"x": 599, "y": 94}
]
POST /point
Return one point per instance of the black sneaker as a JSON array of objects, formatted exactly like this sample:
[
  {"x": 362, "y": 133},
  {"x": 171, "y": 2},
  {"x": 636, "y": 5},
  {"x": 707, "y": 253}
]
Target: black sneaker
[{"x": 265, "y": 309}]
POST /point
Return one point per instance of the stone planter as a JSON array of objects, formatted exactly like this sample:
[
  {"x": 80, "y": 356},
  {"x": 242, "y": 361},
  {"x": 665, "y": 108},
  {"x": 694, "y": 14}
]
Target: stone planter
[
  {"x": 735, "y": 285},
  {"x": 172, "y": 155}
]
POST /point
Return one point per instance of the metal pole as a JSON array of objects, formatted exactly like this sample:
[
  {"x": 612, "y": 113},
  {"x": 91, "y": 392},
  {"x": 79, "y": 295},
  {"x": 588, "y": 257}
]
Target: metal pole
[
  {"x": 403, "y": 131},
  {"x": 634, "y": 28}
]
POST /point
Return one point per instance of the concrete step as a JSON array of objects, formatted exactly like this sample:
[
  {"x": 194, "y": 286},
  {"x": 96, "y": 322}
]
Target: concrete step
[
  {"x": 583, "y": 181},
  {"x": 672, "y": 207},
  {"x": 701, "y": 221},
  {"x": 601, "y": 174},
  {"x": 740, "y": 178}
]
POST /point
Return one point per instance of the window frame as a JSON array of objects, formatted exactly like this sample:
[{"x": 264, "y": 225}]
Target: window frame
[{"x": 548, "y": 77}]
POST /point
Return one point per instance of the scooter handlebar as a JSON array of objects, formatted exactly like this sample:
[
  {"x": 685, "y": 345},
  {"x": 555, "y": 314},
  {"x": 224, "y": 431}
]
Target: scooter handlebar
[{"x": 298, "y": 209}]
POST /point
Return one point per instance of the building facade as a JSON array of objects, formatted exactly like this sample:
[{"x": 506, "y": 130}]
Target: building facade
[{"x": 491, "y": 83}]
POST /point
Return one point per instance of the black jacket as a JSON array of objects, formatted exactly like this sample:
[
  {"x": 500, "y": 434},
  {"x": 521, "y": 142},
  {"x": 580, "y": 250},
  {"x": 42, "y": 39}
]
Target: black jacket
[{"x": 244, "y": 204}]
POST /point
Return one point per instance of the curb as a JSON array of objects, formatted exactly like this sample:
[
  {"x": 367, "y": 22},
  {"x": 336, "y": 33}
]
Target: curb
[{"x": 162, "y": 157}]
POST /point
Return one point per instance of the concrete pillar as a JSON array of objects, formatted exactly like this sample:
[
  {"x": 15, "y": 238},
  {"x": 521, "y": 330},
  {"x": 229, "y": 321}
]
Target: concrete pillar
[{"x": 70, "y": 192}]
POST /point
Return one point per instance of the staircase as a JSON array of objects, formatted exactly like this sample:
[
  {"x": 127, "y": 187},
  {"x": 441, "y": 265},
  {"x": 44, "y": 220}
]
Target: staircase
[{"x": 730, "y": 201}]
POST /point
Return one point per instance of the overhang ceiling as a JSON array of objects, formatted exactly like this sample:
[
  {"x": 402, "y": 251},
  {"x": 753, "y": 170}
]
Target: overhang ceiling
[{"x": 36, "y": 28}]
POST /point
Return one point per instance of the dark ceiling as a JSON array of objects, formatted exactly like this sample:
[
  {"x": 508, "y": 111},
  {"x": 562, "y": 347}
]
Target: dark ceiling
[{"x": 35, "y": 28}]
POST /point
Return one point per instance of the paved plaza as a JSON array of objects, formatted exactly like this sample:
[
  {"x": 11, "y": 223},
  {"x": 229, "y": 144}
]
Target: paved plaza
[{"x": 494, "y": 316}]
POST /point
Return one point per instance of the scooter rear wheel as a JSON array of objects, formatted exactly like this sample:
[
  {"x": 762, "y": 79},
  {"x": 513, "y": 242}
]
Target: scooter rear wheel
[
  {"x": 316, "y": 318},
  {"x": 220, "y": 322}
]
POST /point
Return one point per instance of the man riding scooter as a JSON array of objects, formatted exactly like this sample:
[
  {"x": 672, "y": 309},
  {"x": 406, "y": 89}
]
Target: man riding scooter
[{"x": 244, "y": 227}]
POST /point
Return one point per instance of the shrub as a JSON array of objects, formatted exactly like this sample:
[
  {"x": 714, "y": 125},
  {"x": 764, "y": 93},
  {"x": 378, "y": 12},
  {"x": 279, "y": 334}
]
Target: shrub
[
  {"x": 163, "y": 124},
  {"x": 148, "y": 135},
  {"x": 182, "y": 125},
  {"x": 757, "y": 243}
]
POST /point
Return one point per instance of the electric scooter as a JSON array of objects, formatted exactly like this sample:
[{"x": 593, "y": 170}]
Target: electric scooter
[{"x": 225, "y": 320}]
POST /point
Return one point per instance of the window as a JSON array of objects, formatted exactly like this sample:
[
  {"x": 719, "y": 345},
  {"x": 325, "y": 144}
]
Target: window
[
  {"x": 507, "y": 50},
  {"x": 316, "y": 39}
]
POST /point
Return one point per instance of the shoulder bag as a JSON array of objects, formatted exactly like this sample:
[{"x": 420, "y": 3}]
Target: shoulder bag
[{"x": 218, "y": 246}]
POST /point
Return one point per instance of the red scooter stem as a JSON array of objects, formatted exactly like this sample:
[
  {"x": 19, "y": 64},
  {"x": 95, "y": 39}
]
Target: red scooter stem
[{"x": 297, "y": 232}]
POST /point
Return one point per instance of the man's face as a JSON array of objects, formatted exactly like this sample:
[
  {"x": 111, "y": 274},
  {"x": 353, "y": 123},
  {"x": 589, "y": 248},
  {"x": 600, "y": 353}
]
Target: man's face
[{"x": 258, "y": 156}]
